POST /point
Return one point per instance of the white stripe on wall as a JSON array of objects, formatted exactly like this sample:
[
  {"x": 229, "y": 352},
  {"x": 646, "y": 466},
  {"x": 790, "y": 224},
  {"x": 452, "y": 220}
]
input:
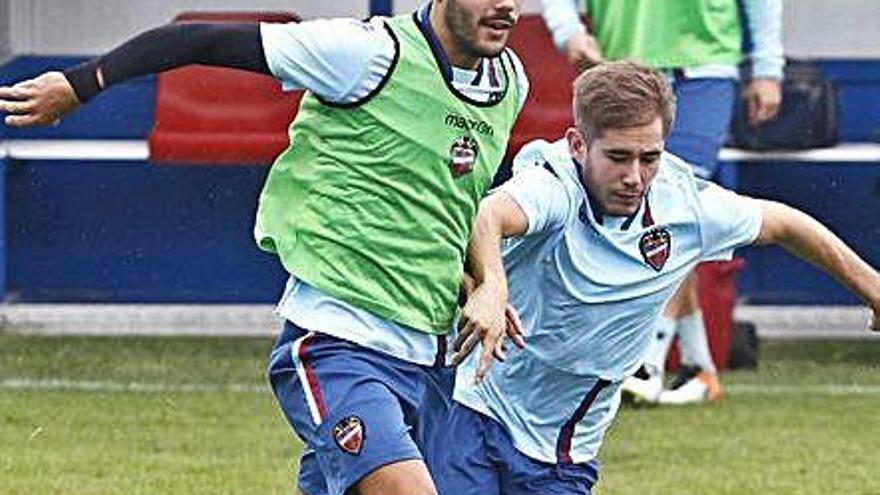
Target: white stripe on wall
[
  {"x": 72, "y": 149},
  {"x": 128, "y": 387},
  {"x": 134, "y": 150}
]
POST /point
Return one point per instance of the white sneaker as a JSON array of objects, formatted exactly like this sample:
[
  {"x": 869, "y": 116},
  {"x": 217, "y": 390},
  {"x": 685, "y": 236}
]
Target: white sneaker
[
  {"x": 642, "y": 391},
  {"x": 704, "y": 387}
]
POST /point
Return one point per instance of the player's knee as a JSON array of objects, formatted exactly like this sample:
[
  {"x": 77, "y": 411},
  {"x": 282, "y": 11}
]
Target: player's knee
[
  {"x": 409, "y": 477},
  {"x": 410, "y": 488}
]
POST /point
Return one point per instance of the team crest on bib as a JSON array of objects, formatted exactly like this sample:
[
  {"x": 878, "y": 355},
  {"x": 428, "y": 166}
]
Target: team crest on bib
[
  {"x": 462, "y": 156},
  {"x": 655, "y": 246},
  {"x": 349, "y": 434}
]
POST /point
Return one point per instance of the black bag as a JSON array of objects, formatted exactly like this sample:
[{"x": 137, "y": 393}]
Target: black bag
[{"x": 808, "y": 117}]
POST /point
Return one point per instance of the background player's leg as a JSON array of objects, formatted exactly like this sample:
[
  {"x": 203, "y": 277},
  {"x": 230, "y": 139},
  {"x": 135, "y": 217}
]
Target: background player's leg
[
  {"x": 693, "y": 342},
  {"x": 664, "y": 332},
  {"x": 698, "y": 379},
  {"x": 703, "y": 112},
  {"x": 684, "y": 311},
  {"x": 646, "y": 387}
]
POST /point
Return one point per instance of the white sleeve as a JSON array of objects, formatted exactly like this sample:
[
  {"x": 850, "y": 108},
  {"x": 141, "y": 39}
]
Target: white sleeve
[
  {"x": 562, "y": 19},
  {"x": 727, "y": 220},
  {"x": 765, "y": 26},
  {"x": 542, "y": 197},
  {"x": 340, "y": 60}
]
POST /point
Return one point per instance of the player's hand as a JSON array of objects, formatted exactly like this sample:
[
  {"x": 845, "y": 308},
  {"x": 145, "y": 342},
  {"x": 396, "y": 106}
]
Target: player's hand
[
  {"x": 486, "y": 318},
  {"x": 39, "y": 101},
  {"x": 763, "y": 97},
  {"x": 582, "y": 51},
  {"x": 514, "y": 327},
  {"x": 467, "y": 287}
]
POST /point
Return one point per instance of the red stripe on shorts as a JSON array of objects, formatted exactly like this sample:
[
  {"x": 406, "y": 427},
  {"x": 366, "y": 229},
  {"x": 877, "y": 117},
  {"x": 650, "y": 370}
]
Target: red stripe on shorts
[{"x": 311, "y": 377}]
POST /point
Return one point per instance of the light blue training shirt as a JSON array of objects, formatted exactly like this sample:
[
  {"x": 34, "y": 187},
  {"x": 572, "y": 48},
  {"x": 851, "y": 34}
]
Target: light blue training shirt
[{"x": 588, "y": 290}]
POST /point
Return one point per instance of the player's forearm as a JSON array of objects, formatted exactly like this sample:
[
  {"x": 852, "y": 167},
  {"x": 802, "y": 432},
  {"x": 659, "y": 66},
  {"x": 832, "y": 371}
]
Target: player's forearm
[
  {"x": 765, "y": 27},
  {"x": 485, "y": 263},
  {"x": 562, "y": 20},
  {"x": 236, "y": 46},
  {"x": 808, "y": 239}
]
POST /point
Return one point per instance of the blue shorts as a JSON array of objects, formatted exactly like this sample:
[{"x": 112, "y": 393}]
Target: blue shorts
[
  {"x": 355, "y": 409},
  {"x": 704, "y": 107},
  {"x": 476, "y": 457}
]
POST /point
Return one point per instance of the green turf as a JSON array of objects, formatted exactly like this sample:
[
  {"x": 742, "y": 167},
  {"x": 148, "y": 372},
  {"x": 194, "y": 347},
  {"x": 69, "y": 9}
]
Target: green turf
[
  {"x": 174, "y": 442},
  {"x": 807, "y": 438}
]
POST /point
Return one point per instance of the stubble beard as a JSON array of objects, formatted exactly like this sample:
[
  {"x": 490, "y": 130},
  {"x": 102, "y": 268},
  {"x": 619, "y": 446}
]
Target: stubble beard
[{"x": 463, "y": 27}]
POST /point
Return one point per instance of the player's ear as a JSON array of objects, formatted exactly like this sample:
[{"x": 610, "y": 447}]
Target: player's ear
[{"x": 577, "y": 143}]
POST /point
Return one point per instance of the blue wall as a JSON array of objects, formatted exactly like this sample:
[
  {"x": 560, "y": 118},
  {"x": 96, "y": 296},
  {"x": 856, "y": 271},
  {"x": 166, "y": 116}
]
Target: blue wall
[
  {"x": 858, "y": 85},
  {"x": 134, "y": 231},
  {"x": 845, "y": 197},
  {"x": 128, "y": 231}
]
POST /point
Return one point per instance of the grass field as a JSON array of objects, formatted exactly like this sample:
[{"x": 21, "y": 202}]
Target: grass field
[{"x": 127, "y": 415}]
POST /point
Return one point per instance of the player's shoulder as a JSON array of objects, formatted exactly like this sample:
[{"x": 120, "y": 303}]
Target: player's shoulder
[
  {"x": 675, "y": 173},
  {"x": 520, "y": 75},
  {"x": 552, "y": 156},
  {"x": 339, "y": 30},
  {"x": 674, "y": 188},
  {"x": 675, "y": 167},
  {"x": 548, "y": 163},
  {"x": 336, "y": 40},
  {"x": 375, "y": 28},
  {"x": 516, "y": 63}
]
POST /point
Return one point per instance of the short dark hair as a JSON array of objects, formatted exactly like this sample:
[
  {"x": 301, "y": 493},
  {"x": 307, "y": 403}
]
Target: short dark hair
[{"x": 621, "y": 94}]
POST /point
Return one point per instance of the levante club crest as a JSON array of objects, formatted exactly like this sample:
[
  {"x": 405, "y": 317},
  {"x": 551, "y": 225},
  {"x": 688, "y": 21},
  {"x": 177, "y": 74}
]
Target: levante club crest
[
  {"x": 462, "y": 156},
  {"x": 349, "y": 434},
  {"x": 655, "y": 246}
]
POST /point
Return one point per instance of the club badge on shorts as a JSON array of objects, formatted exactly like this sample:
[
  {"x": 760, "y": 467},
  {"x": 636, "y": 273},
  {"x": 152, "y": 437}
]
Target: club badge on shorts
[
  {"x": 655, "y": 246},
  {"x": 349, "y": 434},
  {"x": 462, "y": 156}
]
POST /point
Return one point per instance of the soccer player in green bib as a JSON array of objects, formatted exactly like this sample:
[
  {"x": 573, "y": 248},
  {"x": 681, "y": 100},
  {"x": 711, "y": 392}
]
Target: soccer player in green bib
[
  {"x": 697, "y": 44},
  {"x": 370, "y": 209}
]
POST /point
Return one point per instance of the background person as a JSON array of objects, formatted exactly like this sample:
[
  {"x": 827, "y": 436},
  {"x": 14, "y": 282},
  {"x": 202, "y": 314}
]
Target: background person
[{"x": 697, "y": 44}]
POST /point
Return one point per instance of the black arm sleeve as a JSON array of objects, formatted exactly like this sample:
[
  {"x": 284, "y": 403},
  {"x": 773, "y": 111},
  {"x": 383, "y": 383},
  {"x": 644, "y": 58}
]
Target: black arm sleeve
[{"x": 238, "y": 46}]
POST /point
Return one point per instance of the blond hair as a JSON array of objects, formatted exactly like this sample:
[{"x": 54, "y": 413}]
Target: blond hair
[{"x": 621, "y": 94}]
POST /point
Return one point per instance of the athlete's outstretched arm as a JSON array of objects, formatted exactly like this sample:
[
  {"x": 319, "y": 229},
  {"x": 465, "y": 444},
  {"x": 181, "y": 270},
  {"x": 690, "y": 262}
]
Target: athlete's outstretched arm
[
  {"x": 484, "y": 316},
  {"x": 808, "y": 239},
  {"x": 48, "y": 97}
]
